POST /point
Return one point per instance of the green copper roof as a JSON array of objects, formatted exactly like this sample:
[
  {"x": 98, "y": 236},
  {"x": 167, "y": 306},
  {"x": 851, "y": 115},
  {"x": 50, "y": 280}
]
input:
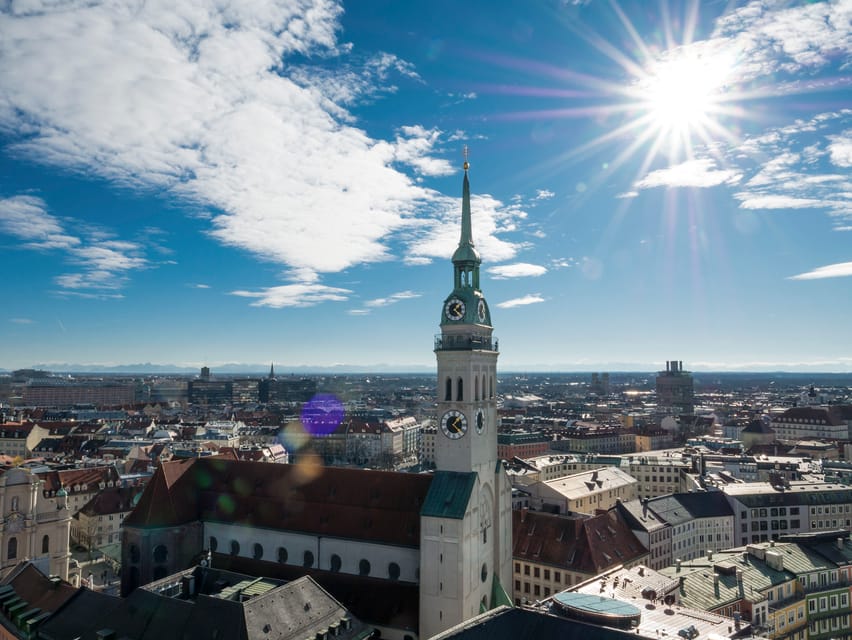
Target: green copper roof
[
  {"x": 498, "y": 594},
  {"x": 449, "y": 495},
  {"x": 466, "y": 251}
]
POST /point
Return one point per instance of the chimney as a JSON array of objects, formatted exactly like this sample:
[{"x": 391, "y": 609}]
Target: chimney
[
  {"x": 710, "y": 554},
  {"x": 840, "y": 543},
  {"x": 677, "y": 563},
  {"x": 524, "y": 514},
  {"x": 716, "y": 580}
]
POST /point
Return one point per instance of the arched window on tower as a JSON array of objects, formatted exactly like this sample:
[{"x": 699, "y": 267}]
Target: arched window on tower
[
  {"x": 492, "y": 388},
  {"x": 460, "y": 390},
  {"x": 448, "y": 394},
  {"x": 476, "y": 388},
  {"x": 45, "y": 544},
  {"x": 12, "y": 549}
]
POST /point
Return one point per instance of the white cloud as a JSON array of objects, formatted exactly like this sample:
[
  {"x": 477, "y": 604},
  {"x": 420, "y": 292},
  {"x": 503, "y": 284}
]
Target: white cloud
[
  {"x": 841, "y": 149},
  {"x": 391, "y": 299},
  {"x": 778, "y": 202},
  {"x": 517, "y": 270},
  {"x": 563, "y": 263},
  {"x": 770, "y": 39},
  {"x": 26, "y": 218},
  {"x": 490, "y": 218},
  {"x": 294, "y": 295},
  {"x": 791, "y": 173},
  {"x": 21, "y": 320},
  {"x": 839, "y": 270},
  {"x": 533, "y": 298},
  {"x": 544, "y": 194},
  {"x": 413, "y": 147},
  {"x": 692, "y": 173},
  {"x": 240, "y": 109},
  {"x": 201, "y": 286},
  {"x": 104, "y": 261}
]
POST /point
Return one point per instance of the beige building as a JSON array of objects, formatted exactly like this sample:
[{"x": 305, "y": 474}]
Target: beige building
[
  {"x": 584, "y": 492},
  {"x": 18, "y": 439},
  {"x": 35, "y": 523},
  {"x": 80, "y": 485},
  {"x": 552, "y": 553},
  {"x": 98, "y": 523}
]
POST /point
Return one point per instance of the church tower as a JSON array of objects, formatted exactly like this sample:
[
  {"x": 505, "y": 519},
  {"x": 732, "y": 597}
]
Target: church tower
[{"x": 466, "y": 524}]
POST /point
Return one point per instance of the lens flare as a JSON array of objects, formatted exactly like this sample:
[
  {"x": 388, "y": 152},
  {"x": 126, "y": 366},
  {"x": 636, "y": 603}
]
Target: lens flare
[{"x": 322, "y": 414}]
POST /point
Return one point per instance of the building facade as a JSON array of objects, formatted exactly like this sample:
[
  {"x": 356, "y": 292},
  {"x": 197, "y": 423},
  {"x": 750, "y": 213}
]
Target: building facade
[
  {"x": 675, "y": 389},
  {"x": 36, "y": 523}
]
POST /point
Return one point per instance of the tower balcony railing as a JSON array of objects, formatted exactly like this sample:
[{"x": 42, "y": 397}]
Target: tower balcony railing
[{"x": 465, "y": 342}]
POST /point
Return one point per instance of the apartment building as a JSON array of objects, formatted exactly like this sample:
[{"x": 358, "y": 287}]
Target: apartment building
[
  {"x": 553, "y": 552},
  {"x": 763, "y": 511},
  {"x": 585, "y": 492}
]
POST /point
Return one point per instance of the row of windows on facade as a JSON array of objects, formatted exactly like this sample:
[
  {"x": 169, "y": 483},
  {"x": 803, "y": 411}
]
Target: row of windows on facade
[
  {"x": 538, "y": 572},
  {"x": 12, "y": 547},
  {"x": 834, "y": 624},
  {"x": 828, "y": 603},
  {"x": 161, "y": 554},
  {"x": 477, "y": 394},
  {"x": 536, "y": 590}
]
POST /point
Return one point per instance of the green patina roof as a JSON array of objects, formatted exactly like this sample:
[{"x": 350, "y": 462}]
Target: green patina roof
[
  {"x": 498, "y": 594},
  {"x": 449, "y": 495}
]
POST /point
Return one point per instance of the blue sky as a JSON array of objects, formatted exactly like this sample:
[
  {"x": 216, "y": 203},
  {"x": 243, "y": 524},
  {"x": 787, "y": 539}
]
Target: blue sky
[{"x": 221, "y": 183}]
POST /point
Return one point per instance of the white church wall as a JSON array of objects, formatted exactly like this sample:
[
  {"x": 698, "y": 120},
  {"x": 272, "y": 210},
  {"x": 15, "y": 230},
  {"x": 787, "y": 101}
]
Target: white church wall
[{"x": 321, "y": 549}]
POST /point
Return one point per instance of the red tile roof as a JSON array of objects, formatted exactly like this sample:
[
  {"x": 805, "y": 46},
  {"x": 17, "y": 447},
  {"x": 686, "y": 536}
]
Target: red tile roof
[
  {"x": 351, "y": 503},
  {"x": 584, "y": 545}
]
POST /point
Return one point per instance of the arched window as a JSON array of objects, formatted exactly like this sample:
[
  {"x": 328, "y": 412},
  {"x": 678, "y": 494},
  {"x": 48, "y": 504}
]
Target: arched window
[
  {"x": 476, "y": 388},
  {"x": 257, "y": 551},
  {"x": 308, "y": 559},
  {"x": 45, "y": 544},
  {"x": 12, "y": 549},
  {"x": 161, "y": 554},
  {"x": 235, "y": 548},
  {"x": 336, "y": 562},
  {"x": 214, "y": 543},
  {"x": 448, "y": 394},
  {"x": 460, "y": 391},
  {"x": 364, "y": 567},
  {"x": 134, "y": 553},
  {"x": 282, "y": 555},
  {"x": 393, "y": 571},
  {"x": 492, "y": 387}
]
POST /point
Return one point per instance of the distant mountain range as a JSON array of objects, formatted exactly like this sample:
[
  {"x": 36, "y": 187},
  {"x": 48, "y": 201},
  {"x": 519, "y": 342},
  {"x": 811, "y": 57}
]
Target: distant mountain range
[{"x": 149, "y": 368}]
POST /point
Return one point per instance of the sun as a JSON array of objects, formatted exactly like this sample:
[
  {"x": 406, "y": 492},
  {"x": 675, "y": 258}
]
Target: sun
[
  {"x": 680, "y": 98},
  {"x": 684, "y": 93}
]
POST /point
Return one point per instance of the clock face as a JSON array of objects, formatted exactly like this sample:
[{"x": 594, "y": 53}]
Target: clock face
[
  {"x": 480, "y": 311},
  {"x": 479, "y": 421},
  {"x": 454, "y": 309},
  {"x": 454, "y": 424}
]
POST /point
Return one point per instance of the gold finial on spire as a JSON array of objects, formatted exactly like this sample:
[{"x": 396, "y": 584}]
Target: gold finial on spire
[{"x": 466, "y": 154}]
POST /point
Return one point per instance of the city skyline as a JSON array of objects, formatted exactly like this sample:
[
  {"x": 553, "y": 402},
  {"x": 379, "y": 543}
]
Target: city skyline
[{"x": 204, "y": 185}]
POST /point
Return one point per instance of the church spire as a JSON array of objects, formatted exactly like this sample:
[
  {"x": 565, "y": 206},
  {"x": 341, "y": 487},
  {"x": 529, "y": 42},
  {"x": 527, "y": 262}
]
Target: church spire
[{"x": 466, "y": 258}]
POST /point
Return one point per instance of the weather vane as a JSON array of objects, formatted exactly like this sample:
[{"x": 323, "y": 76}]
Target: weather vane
[{"x": 466, "y": 154}]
